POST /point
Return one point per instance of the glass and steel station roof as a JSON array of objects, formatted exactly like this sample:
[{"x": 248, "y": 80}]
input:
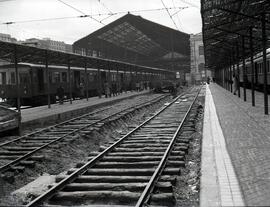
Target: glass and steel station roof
[
  {"x": 133, "y": 36},
  {"x": 230, "y": 26},
  {"x": 127, "y": 36}
]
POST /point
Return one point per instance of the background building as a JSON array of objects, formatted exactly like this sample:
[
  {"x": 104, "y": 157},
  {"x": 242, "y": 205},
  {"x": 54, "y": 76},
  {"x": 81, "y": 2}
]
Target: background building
[
  {"x": 47, "y": 43},
  {"x": 198, "y": 72},
  {"x": 7, "y": 38}
]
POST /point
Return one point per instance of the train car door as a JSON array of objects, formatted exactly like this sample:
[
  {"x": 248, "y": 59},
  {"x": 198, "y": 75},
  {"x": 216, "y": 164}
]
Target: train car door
[
  {"x": 103, "y": 76},
  {"x": 121, "y": 78},
  {"x": 40, "y": 76}
]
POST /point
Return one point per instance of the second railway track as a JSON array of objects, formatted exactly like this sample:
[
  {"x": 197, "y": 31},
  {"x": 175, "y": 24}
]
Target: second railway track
[
  {"x": 21, "y": 152},
  {"x": 135, "y": 170}
]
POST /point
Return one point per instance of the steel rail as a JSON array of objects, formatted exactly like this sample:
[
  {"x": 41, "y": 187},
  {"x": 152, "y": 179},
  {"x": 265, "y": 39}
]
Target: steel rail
[
  {"x": 155, "y": 177},
  {"x": 56, "y": 125},
  {"x": 7, "y": 166},
  {"x": 53, "y": 126},
  {"x": 37, "y": 201}
]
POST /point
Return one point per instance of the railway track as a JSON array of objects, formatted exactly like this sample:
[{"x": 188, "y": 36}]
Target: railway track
[
  {"x": 21, "y": 152},
  {"x": 137, "y": 169}
]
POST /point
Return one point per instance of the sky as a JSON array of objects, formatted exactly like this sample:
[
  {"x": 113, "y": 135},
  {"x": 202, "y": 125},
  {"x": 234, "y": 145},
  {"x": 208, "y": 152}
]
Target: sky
[{"x": 65, "y": 25}]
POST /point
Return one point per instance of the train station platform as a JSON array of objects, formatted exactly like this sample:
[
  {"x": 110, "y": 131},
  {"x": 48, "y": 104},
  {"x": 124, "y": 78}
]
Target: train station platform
[
  {"x": 235, "y": 168},
  {"x": 42, "y": 115}
]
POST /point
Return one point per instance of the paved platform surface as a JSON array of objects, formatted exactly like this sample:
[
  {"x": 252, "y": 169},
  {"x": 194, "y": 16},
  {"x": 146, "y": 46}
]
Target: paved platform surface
[
  {"x": 43, "y": 115},
  {"x": 236, "y": 151}
]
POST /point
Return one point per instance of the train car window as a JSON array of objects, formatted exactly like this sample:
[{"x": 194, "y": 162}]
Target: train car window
[
  {"x": 64, "y": 77},
  {"x": 3, "y": 78},
  {"x": 24, "y": 78},
  {"x": 82, "y": 79},
  {"x": 91, "y": 77},
  {"x": 35, "y": 77},
  {"x": 12, "y": 78},
  {"x": 56, "y": 77}
]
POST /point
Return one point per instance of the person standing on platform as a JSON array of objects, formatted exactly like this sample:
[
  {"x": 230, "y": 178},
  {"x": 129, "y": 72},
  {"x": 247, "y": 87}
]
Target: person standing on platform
[
  {"x": 137, "y": 86},
  {"x": 60, "y": 93},
  {"x": 235, "y": 84},
  {"x": 81, "y": 91},
  {"x": 208, "y": 80},
  {"x": 107, "y": 89}
]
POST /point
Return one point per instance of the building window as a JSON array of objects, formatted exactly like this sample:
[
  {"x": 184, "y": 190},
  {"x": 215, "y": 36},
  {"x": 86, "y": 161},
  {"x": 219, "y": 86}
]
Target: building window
[
  {"x": 24, "y": 78},
  {"x": 56, "y": 77},
  {"x": 201, "y": 51},
  {"x": 201, "y": 67}
]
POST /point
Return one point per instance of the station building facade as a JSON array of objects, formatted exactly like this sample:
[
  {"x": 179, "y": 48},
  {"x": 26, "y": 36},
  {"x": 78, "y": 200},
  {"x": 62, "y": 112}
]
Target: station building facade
[{"x": 198, "y": 72}]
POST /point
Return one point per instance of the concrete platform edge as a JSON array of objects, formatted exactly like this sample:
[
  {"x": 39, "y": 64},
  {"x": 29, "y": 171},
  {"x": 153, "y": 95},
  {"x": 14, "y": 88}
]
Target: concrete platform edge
[
  {"x": 219, "y": 184},
  {"x": 58, "y": 117}
]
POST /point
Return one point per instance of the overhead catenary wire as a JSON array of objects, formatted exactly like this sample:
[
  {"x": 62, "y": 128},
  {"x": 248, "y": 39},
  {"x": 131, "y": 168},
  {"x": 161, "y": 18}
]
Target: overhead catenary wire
[
  {"x": 110, "y": 14},
  {"x": 176, "y": 13},
  {"x": 78, "y": 10},
  {"x": 88, "y": 15},
  {"x": 166, "y": 8},
  {"x": 105, "y": 6},
  {"x": 191, "y": 4}
]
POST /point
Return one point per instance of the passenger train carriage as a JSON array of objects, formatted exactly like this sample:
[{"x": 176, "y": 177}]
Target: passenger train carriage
[
  {"x": 258, "y": 73},
  {"x": 33, "y": 81}
]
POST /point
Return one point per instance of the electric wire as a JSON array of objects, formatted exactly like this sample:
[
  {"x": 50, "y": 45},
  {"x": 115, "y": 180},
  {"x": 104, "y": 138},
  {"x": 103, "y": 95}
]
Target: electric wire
[
  {"x": 78, "y": 10},
  {"x": 169, "y": 15},
  {"x": 87, "y": 15}
]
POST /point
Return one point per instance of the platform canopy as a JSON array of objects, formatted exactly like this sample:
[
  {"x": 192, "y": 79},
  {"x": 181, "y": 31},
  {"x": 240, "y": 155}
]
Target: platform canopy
[
  {"x": 135, "y": 39},
  {"x": 30, "y": 54},
  {"x": 231, "y": 28}
]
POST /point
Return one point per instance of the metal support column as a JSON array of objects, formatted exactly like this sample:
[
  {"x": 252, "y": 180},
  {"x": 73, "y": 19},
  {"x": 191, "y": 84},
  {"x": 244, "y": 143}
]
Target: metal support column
[
  {"x": 86, "y": 78},
  {"x": 99, "y": 83},
  {"x": 17, "y": 79},
  {"x": 227, "y": 79},
  {"x": 110, "y": 82},
  {"x": 69, "y": 81},
  {"x": 47, "y": 79},
  {"x": 118, "y": 85},
  {"x": 230, "y": 74},
  {"x": 244, "y": 68},
  {"x": 264, "y": 45},
  {"x": 252, "y": 66},
  {"x": 233, "y": 62},
  {"x": 131, "y": 80},
  {"x": 125, "y": 81},
  {"x": 17, "y": 88},
  {"x": 238, "y": 70}
]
